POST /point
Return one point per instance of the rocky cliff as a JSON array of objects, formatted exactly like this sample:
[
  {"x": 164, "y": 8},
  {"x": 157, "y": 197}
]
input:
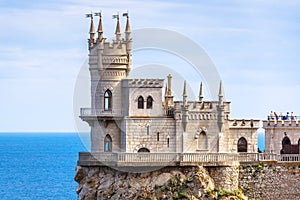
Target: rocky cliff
[
  {"x": 265, "y": 181},
  {"x": 167, "y": 183}
]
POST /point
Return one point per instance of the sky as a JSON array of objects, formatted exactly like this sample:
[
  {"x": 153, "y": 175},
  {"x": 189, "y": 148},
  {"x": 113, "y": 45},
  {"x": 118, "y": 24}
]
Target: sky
[{"x": 253, "y": 44}]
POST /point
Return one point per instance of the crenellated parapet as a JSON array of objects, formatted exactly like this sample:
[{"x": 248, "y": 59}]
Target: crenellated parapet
[
  {"x": 281, "y": 123},
  {"x": 143, "y": 83},
  {"x": 243, "y": 123}
]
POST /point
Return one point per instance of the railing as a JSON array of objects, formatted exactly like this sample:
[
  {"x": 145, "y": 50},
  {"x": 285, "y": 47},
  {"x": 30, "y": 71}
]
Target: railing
[
  {"x": 86, "y": 112},
  {"x": 186, "y": 158},
  {"x": 290, "y": 157},
  {"x": 283, "y": 117}
]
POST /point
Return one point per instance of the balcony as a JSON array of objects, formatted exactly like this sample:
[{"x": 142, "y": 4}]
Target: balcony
[
  {"x": 92, "y": 113},
  {"x": 177, "y": 159}
]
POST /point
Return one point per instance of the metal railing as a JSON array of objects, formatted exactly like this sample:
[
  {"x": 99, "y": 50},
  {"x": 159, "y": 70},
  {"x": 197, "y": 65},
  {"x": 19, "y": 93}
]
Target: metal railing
[{"x": 85, "y": 112}]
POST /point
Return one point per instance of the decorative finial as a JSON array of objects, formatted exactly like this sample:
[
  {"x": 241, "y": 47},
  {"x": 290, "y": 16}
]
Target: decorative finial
[
  {"x": 201, "y": 93},
  {"x": 221, "y": 90},
  {"x": 184, "y": 90}
]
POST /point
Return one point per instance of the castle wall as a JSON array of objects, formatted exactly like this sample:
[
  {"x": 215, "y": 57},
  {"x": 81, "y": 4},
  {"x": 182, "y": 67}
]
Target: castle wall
[
  {"x": 100, "y": 129},
  {"x": 143, "y": 133},
  {"x": 275, "y": 132}
]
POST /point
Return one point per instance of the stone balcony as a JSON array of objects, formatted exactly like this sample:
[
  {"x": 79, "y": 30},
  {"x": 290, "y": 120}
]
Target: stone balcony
[
  {"x": 87, "y": 113},
  {"x": 178, "y": 159}
]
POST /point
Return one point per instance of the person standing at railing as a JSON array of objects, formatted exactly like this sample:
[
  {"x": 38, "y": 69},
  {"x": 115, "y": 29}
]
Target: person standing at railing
[
  {"x": 271, "y": 115},
  {"x": 292, "y": 116},
  {"x": 287, "y": 116},
  {"x": 281, "y": 116},
  {"x": 276, "y": 116}
]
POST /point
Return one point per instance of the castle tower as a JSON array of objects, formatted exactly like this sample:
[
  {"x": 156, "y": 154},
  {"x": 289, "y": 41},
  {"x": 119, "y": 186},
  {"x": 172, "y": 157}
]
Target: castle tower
[{"x": 109, "y": 63}]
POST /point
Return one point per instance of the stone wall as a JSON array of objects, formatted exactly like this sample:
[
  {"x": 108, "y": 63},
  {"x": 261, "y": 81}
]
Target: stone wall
[{"x": 270, "y": 181}]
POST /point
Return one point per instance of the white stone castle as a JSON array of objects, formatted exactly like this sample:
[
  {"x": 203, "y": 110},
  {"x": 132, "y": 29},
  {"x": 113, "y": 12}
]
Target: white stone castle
[{"x": 129, "y": 115}]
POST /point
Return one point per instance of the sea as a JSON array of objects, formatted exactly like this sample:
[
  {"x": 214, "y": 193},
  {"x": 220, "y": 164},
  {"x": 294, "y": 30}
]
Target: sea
[{"x": 39, "y": 166}]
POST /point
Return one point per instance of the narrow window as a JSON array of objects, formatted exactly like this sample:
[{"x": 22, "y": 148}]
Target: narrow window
[
  {"x": 140, "y": 102},
  {"x": 107, "y": 143},
  {"x": 149, "y": 102},
  {"x": 242, "y": 145},
  {"x": 107, "y": 100},
  {"x": 157, "y": 135},
  {"x": 148, "y": 128},
  {"x": 168, "y": 142}
]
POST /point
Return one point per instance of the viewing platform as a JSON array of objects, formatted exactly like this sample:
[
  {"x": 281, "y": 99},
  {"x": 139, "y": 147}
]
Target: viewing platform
[
  {"x": 179, "y": 159},
  {"x": 89, "y": 112}
]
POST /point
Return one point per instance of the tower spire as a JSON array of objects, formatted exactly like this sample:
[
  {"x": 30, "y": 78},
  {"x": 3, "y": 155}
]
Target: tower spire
[
  {"x": 221, "y": 97},
  {"x": 127, "y": 29},
  {"x": 92, "y": 30},
  {"x": 184, "y": 90},
  {"x": 118, "y": 28},
  {"x": 100, "y": 28},
  {"x": 201, "y": 94}
]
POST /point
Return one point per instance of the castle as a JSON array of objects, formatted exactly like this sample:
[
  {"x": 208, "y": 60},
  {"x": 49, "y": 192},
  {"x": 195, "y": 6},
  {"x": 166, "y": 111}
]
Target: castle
[{"x": 129, "y": 115}]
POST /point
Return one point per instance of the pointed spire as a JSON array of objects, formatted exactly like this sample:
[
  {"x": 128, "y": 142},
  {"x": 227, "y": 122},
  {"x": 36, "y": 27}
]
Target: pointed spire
[
  {"x": 100, "y": 28},
  {"x": 118, "y": 28},
  {"x": 169, "y": 91},
  {"x": 92, "y": 30},
  {"x": 220, "y": 90},
  {"x": 184, "y": 90},
  {"x": 201, "y": 93},
  {"x": 127, "y": 30},
  {"x": 166, "y": 90},
  {"x": 221, "y": 99}
]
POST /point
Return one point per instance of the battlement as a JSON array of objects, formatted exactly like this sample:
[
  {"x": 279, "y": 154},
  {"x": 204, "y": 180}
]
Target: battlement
[
  {"x": 281, "y": 123},
  {"x": 143, "y": 83},
  {"x": 244, "y": 123}
]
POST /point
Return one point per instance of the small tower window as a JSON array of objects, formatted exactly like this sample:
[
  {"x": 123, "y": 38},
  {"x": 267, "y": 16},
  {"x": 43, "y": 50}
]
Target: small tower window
[
  {"x": 107, "y": 100},
  {"x": 242, "y": 145},
  {"x": 107, "y": 143},
  {"x": 157, "y": 135},
  {"x": 149, "y": 102},
  {"x": 140, "y": 102},
  {"x": 168, "y": 142}
]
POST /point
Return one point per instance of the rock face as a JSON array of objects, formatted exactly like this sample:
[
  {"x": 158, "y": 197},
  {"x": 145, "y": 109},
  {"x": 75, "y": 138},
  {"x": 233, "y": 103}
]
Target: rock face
[
  {"x": 168, "y": 183},
  {"x": 270, "y": 181}
]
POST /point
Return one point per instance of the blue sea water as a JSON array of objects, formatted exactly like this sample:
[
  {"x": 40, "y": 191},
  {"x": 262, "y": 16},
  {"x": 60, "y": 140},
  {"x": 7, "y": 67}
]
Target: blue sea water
[{"x": 38, "y": 166}]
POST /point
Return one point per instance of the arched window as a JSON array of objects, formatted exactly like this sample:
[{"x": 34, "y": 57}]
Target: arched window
[
  {"x": 286, "y": 140},
  {"x": 149, "y": 102},
  {"x": 107, "y": 143},
  {"x": 143, "y": 150},
  {"x": 242, "y": 145},
  {"x": 107, "y": 100},
  {"x": 140, "y": 102},
  {"x": 202, "y": 141}
]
